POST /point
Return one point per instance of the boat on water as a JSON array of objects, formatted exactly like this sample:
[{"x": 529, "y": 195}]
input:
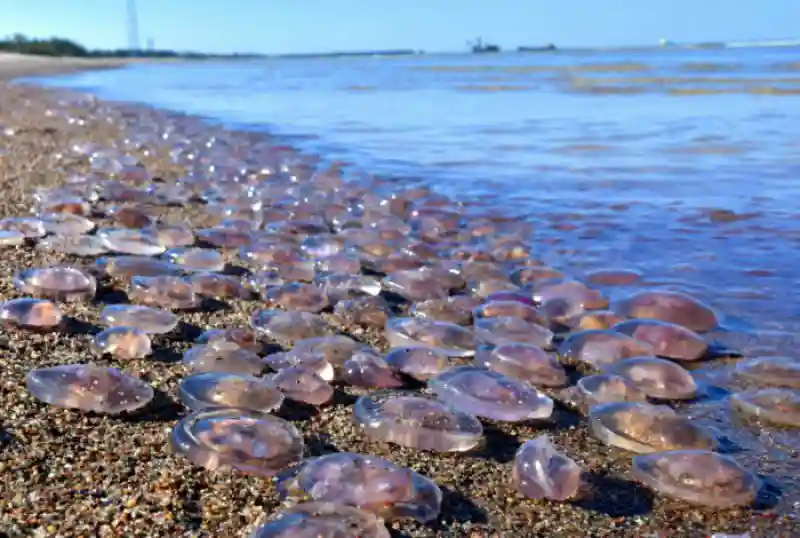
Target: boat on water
[
  {"x": 545, "y": 48},
  {"x": 479, "y": 47}
]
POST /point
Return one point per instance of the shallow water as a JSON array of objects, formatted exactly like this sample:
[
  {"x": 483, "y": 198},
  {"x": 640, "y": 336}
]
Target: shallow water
[{"x": 622, "y": 160}]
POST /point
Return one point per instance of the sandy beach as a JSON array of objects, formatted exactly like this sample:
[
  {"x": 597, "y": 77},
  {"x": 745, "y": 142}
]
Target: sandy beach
[{"x": 70, "y": 474}]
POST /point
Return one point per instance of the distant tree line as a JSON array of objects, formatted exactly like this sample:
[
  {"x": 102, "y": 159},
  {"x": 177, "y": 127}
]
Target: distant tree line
[{"x": 56, "y": 46}]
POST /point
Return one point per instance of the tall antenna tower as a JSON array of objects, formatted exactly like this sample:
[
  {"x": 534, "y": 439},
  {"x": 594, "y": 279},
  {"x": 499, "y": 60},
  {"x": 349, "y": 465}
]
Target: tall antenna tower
[{"x": 133, "y": 26}]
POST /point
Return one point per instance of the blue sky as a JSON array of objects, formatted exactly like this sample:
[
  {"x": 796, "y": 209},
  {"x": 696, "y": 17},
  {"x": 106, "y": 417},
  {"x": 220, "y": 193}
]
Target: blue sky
[{"x": 276, "y": 26}]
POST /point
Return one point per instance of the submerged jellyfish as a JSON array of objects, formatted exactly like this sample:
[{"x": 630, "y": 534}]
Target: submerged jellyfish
[
  {"x": 418, "y": 362},
  {"x": 643, "y": 428},
  {"x": 780, "y": 371},
  {"x": 598, "y": 320},
  {"x": 697, "y": 476},
  {"x": 669, "y": 306},
  {"x": 123, "y": 342},
  {"x": 367, "y": 482},
  {"x": 525, "y": 362},
  {"x": 89, "y": 387},
  {"x": 413, "y": 420},
  {"x": 541, "y": 471},
  {"x": 144, "y": 318},
  {"x": 218, "y": 389},
  {"x": 322, "y": 520},
  {"x": 490, "y": 394},
  {"x": 222, "y": 356},
  {"x": 776, "y": 405},
  {"x": 32, "y": 314},
  {"x": 658, "y": 378},
  {"x": 668, "y": 339},
  {"x": 448, "y": 338},
  {"x": 247, "y": 441},
  {"x": 601, "y": 348}
]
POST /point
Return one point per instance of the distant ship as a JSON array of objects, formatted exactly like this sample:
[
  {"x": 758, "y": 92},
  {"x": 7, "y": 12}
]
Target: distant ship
[
  {"x": 479, "y": 47},
  {"x": 546, "y": 48}
]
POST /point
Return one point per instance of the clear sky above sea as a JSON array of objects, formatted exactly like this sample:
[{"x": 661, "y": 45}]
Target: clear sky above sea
[{"x": 286, "y": 26}]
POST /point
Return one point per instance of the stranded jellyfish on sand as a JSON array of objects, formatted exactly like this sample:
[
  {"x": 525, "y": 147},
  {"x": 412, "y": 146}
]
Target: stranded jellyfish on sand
[
  {"x": 59, "y": 283},
  {"x": 89, "y": 388},
  {"x": 122, "y": 342},
  {"x": 698, "y": 477},
  {"x": 322, "y": 520},
  {"x": 367, "y": 482},
  {"x": 658, "y": 378},
  {"x": 643, "y": 428},
  {"x": 599, "y": 348},
  {"x": 525, "y": 362},
  {"x": 413, "y": 420},
  {"x": 490, "y": 394},
  {"x": 217, "y": 389},
  {"x": 668, "y": 339},
  {"x": 289, "y": 326},
  {"x": 144, "y": 318},
  {"x": 248, "y": 441},
  {"x": 222, "y": 356},
  {"x": 418, "y": 362},
  {"x": 32, "y": 314},
  {"x": 303, "y": 384},
  {"x": 541, "y": 471},
  {"x": 448, "y": 338},
  {"x": 604, "y": 388}
]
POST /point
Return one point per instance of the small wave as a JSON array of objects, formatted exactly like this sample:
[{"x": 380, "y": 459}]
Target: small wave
[
  {"x": 600, "y": 68},
  {"x": 493, "y": 88}
]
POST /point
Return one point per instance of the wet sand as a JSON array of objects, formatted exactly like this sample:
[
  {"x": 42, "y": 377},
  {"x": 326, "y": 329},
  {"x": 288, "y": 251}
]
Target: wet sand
[
  {"x": 70, "y": 474},
  {"x": 14, "y": 65}
]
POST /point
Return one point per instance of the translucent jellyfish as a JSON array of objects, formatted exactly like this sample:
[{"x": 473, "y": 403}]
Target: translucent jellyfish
[
  {"x": 11, "y": 238},
  {"x": 89, "y": 387},
  {"x": 643, "y": 428},
  {"x": 614, "y": 277},
  {"x": 334, "y": 349},
  {"x": 509, "y": 329},
  {"x": 448, "y": 338},
  {"x": 172, "y": 292},
  {"x": 342, "y": 286},
  {"x": 122, "y": 342},
  {"x": 541, "y": 471},
  {"x": 421, "y": 363},
  {"x": 413, "y": 420},
  {"x": 171, "y": 236},
  {"x": 514, "y": 309},
  {"x": 489, "y": 394},
  {"x": 218, "y": 389},
  {"x": 144, "y": 318},
  {"x": 29, "y": 227},
  {"x": 456, "y": 309},
  {"x": 32, "y": 314},
  {"x": 367, "y": 482},
  {"x": 779, "y": 371},
  {"x": 368, "y": 312},
  {"x": 128, "y": 267},
  {"x": 322, "y": 520},
  {"x": 299, "y": 297},
  {"x": 66, "y": 224},
  {"x": 303, "y": 385},
  {"x": 600, "y": 348},
  {"x": 699, "y": 477},
  {"x": 289, "y": 326},
  {"x": 775, "y": 405},
  {"x": 598, "y": 320},
  {"x": 196, "y": 259},
  {"x": 569, "y": 291},
  {"x": 59, "y": 283},
  {"x": 658, "y": 378},
  {"x": 129, "y": 241},
  {"x": 669, "y": 306},
  {"x": 367, "y": 369},
  {"x": 221, "y": 356},
  {"x": 314, "y": 362},
  {"x": 129, "y": 216},
  {"x": 249, "y": 442},
  {"x": 219, "y": 286},
  {"x": 418, "y": 284},
  {"x": 668, "y": 339},
  {"x": 603, "y": 388},
  {"x": 224, "y": 237},
  {"x": 523, "y": 361},
  {"x": 244, "y": 337}
]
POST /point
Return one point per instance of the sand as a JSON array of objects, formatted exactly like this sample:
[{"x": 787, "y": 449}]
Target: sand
[
  {"x": 14, "y": 65},
  {"x": 70, "y": 474}
]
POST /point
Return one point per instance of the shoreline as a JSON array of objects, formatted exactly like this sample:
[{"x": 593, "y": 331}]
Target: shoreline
[
  {"x": 13, "y": 65},
  {"x": 135, "y": 487}
]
